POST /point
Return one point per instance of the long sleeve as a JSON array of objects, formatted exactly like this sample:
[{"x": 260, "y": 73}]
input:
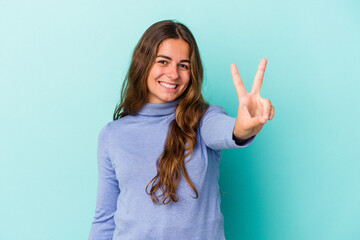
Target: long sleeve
[
  {"x": 103, "y": 226},
  {"x": 216, "y": 129}
]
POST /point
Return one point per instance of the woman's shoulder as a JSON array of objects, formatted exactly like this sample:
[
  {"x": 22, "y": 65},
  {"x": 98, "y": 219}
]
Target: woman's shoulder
[
  {"x": 214, "y": 107},
  {"x": 115, "y": 124},
  {"x": 213, "y": 110}
]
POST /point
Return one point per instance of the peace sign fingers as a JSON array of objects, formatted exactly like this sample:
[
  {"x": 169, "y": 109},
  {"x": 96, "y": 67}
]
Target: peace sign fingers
[
  {"x": 259, "y": 76},
  {"x": 253, "y": 111},
  {"x": 238, "y": 83}
]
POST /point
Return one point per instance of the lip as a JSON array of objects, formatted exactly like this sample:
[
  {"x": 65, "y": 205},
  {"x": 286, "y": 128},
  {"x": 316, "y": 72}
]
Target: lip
[{"x": 169, "y": 89}]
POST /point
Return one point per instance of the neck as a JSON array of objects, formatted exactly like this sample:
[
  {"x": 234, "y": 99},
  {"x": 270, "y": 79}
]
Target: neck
[{"x": 159, "y": 109}]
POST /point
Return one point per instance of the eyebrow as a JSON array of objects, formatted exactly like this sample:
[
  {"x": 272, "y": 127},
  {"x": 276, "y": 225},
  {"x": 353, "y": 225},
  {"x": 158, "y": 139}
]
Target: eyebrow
[{"x": 171, "y": 59}]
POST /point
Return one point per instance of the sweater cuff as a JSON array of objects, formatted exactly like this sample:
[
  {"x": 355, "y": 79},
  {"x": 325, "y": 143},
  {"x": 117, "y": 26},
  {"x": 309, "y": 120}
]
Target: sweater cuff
[
  {"x": 241, "y": 142},
  {"x": 233, "y": 141}
]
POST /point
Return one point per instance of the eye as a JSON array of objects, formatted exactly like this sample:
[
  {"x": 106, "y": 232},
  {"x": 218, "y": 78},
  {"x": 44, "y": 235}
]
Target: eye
[
  {"x": 183, "y": 66},
  {"x": 162, "y": 62}
]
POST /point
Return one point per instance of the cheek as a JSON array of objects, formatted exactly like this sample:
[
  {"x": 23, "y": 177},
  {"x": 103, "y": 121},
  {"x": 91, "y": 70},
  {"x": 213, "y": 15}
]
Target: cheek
[
  {"x": 186, "y": 78},
  {"x": 186, "y": 84},
  {"x": 155, "y": 73},
  {"x": 151, "y": 80}
]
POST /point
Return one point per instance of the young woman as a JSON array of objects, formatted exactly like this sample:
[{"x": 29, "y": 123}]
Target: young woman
[{"x": 158, "y": 161}]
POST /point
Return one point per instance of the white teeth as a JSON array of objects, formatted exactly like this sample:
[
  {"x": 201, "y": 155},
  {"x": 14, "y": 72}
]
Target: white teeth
[{"x": 167, "y": 85}]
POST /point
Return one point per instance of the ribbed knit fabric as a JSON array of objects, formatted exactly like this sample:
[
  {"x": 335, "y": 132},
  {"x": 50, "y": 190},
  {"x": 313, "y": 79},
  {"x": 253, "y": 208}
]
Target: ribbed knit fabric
[{"x": 127, "y": 152}]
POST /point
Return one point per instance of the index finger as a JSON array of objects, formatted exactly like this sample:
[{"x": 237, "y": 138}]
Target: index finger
[
  {"x": 259, "y": 76},
  {"x": 238, "y": 83}
]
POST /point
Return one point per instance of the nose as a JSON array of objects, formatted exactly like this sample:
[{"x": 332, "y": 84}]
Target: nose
[{"x": 172, "y": 72}]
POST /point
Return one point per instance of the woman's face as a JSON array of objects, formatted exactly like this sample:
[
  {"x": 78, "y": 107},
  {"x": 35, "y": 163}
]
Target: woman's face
[{"x": 170, "y": 74}]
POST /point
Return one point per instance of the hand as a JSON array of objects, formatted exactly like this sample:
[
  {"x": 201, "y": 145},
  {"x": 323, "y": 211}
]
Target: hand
[{"x": 253, "y": 110}]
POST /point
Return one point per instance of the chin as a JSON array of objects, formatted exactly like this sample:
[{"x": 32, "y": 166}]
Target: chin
[{"x": 169, "y": 99}]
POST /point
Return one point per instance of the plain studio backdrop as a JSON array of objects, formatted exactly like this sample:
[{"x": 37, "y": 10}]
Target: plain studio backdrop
[{"x": 61, "y": 68}]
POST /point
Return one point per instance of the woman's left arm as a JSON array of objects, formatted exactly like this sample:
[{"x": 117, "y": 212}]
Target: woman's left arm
[{"x": 253, "y": 111}]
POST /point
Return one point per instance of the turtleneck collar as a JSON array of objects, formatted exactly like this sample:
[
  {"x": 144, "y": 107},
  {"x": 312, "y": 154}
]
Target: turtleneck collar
[{"x": 159, "y": 109}]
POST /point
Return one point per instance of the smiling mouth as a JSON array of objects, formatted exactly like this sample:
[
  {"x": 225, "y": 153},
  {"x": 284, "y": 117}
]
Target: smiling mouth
[{"x": 168, "y": 85}]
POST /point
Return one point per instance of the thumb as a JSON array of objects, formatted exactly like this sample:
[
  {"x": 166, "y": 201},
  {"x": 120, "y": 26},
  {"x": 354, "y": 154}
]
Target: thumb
[{"x": 253, "y": 122}]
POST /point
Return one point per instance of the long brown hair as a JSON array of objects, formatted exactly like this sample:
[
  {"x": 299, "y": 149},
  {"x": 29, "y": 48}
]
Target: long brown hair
[{"x": 181, "y": 138}]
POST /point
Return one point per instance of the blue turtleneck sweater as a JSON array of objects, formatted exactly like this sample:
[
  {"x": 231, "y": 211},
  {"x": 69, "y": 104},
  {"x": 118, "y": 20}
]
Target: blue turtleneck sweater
[{"x": 127, "y": 152}]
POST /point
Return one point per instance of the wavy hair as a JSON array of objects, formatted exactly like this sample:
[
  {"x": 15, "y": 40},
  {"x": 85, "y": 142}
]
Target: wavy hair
[{"x": 181, "y": 136}]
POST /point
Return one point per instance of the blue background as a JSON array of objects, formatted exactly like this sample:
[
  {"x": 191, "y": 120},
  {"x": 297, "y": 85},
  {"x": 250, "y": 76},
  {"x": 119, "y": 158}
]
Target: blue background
[{"x": 61, "y": 68}]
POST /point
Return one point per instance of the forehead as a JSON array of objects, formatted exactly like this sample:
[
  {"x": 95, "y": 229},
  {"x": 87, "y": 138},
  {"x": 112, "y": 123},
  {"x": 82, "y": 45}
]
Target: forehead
[{"x": 175, "y": 48}]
